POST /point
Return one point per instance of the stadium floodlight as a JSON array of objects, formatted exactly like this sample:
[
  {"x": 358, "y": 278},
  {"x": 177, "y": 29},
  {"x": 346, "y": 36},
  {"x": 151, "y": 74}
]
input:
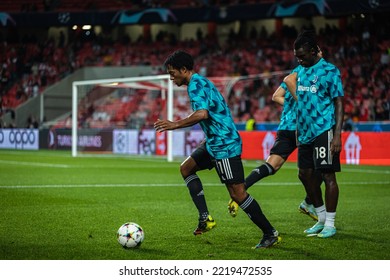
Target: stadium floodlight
[{"x": 80, "y": 89}]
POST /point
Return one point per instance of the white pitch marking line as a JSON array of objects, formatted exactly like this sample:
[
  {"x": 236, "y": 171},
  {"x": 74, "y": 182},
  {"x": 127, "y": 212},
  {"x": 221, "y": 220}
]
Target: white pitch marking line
[{"x": 165, "y": 185}]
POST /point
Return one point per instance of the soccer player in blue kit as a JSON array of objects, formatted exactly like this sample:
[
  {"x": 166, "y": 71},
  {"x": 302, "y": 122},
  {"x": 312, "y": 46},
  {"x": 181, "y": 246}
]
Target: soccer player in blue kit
[
  {"x": 320, "y": 113},
  {"x": 285, "y": 144},
  {"x": 221, "y": 149}
]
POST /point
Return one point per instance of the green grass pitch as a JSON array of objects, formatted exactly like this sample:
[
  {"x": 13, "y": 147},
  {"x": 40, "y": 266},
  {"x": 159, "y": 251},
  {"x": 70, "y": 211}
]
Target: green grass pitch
[{"x": 55, "y": 207}]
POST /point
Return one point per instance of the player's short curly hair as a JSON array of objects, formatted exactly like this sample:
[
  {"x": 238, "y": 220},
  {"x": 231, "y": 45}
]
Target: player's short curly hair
[
  {"x": 180, "y": 59},
  {"x": 307, "y": 40}
]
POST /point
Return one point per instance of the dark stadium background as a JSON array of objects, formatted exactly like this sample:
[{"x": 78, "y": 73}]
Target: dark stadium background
[{"x": 42, "y": 42}]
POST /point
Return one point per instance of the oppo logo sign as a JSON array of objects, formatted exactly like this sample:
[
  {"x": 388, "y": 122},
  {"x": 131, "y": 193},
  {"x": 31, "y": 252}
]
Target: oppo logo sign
[{"x": 23, "y": 139}]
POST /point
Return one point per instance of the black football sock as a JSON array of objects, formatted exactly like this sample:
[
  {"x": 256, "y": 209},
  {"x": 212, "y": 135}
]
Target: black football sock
[
  {"x": 253, "y": 210},
  {"x": 196, "y": 191},
  {"x": 259, "y": 173}
]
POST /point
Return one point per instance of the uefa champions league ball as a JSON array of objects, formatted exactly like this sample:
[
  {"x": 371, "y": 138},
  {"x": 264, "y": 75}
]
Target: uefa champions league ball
[{"x": 130, "y": 235}]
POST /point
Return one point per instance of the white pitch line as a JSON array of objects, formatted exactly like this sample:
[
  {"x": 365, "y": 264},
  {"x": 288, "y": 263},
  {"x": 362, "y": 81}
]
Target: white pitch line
[
  {"x": 169, "y": 185},
  {"x": 371, "y": 171},
  {"x": 344, "y": 168},
  {"x": 53, "y": 165}
]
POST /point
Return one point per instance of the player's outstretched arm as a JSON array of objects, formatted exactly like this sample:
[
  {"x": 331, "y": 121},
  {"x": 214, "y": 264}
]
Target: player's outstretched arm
[{"x": 194, "y": 118}]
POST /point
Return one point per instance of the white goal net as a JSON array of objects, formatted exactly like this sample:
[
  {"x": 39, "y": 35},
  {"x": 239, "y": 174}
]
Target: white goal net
[{"x": 113, "y": 105}]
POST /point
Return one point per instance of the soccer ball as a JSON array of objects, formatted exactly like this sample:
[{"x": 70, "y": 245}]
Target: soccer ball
[{"x": 130, "y": 235}]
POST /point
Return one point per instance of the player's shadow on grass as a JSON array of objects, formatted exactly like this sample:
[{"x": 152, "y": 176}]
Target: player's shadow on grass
[{"x": 312, "y": 250}]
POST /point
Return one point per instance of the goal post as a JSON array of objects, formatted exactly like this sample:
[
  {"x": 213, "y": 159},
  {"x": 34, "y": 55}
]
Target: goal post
[{"x": 167, "y": 93}]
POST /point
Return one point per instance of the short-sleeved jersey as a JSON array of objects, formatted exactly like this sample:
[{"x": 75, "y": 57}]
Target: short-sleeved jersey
[
  {"x": 222, "y": 137},
  {"x": 317, "y": 87},
  {"x": 288, "y": 119}
]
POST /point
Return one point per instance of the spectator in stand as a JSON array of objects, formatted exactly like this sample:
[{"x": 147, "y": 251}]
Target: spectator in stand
[
  {"x": 348, "y": 124},
  {"x": 250, "y": 124},
  {"x": 32, "y": 122}
]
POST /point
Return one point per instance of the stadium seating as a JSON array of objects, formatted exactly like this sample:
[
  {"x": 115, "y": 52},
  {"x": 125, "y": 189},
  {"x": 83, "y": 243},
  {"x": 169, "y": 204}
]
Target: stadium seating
[
  {"x": 28, "y": 67},
  {"x": 106, "y": 5}
]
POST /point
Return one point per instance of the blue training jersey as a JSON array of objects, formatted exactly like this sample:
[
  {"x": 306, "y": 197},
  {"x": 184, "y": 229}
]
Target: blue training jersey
[
  {"x": 288, "y": 119},
  {"x": 317, "y": 87},
  {"x": 222, "y": 137}
]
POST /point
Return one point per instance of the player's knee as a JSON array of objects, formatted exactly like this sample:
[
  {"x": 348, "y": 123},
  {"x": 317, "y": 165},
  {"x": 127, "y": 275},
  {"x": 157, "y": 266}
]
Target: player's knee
[
  {"x": 330, "y": 180},
  {"x": 238, "y": 193},
  {"x": 303, "y": 175},
  {"x": 184, "y": 171},
  {"x": 188, "y": 167}
]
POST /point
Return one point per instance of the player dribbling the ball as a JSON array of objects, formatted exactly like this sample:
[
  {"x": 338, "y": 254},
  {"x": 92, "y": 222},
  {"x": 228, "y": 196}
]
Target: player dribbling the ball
[{"x": 221, "y": 149}]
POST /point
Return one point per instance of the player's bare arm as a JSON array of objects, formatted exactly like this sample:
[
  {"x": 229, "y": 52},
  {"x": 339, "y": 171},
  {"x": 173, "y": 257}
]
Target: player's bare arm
[
  {"x": 319, "y": 52},
  {"x": 278, "y": 95},
  {"x": 291, "y": 83},
  {"x": 194, "y": 118},
  {"x": 335, "y": 146}
]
